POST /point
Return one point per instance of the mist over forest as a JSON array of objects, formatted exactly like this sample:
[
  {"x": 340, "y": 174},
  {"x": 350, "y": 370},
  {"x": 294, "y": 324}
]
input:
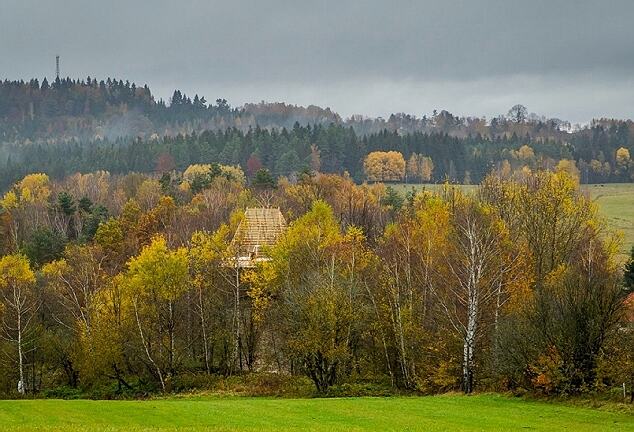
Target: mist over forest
[{"x": 83, "y": 125}]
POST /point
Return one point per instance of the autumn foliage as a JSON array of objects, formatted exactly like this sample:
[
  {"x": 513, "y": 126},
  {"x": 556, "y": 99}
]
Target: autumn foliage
[
  {"x": 127, "y": 284},
  {"x": 384, "y": 166}
]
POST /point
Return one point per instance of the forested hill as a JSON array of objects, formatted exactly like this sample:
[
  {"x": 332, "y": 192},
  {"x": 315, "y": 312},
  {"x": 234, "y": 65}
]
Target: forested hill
[
  {"x": 88, "y": 110},
  {"x": 71, "y": 126}
]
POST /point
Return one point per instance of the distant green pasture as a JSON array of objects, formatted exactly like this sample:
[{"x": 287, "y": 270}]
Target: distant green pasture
[
  {"x": 616, "y": 202},
  {"x": 436, "y": 413}
]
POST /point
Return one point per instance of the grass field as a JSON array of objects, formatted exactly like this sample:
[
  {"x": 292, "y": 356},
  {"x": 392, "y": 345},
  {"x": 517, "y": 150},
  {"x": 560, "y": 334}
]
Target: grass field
[
  {"x": 437, "y": 413},
  {"x": 616, "y": 202}
]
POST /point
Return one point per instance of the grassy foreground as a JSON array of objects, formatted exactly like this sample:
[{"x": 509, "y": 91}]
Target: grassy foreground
[{"x": 438, "y": 413}]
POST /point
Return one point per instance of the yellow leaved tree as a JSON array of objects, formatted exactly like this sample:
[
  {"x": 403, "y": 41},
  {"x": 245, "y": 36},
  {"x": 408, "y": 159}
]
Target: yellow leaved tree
[
  {"x": 574, "y": 298},
  {"x": 26, "y": 206},
  {"x": 155, "y": 282},
  {"x": 419, "y": 167},
  {"x": 384, "y": 166},
  {"x": 18, "y": 305},
  {"x": 318, "y": 308},
  {"x": 409, "y": 251},
  {"x": 206, "y": 256}
]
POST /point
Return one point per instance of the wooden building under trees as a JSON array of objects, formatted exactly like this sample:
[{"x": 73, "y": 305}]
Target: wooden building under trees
[{"x": 259, "y": 229}]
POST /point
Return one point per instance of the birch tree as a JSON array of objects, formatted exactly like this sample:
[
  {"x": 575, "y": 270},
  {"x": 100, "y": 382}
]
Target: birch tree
[
  {"x": 410, "y": 251},
  {"x": 206, "y": 255},
  {"x": 77, "y": 280},
  {"x": 156, "y": 281},
  {"x": 19, "y": 305},
  {"x": 477, "y": 268}
]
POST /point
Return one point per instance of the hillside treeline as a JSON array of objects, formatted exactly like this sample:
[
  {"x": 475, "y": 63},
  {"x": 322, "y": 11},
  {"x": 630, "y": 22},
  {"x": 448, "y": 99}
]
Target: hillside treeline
[
  {"x": 84, "y": 110},
  {"x": 599, "y": 157},
  {"x": 69, "y": 125},
  {"x": 118, "y": 284},
  {"x": 87, "y": 109}
]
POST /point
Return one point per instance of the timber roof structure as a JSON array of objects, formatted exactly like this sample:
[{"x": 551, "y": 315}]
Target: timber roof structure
[{"x": 260, "y": 228}]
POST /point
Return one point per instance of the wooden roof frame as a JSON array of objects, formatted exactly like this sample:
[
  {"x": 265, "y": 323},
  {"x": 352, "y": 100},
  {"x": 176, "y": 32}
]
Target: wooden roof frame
[{"x": 260, "y": 228}]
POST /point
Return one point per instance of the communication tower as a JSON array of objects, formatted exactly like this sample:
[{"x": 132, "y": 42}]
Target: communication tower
[{"x": 57, "y": 66}]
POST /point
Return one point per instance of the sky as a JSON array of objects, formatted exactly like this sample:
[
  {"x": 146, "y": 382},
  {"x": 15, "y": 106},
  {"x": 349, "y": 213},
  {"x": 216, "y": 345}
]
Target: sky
[{"x": 566, "y": 59}]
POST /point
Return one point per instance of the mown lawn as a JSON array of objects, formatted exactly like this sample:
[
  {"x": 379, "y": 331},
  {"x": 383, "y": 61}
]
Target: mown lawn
[{"x": 438, "y": 413}]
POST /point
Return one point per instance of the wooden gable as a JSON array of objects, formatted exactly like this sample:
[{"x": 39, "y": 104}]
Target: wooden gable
[{"x": 260, "y": 227}]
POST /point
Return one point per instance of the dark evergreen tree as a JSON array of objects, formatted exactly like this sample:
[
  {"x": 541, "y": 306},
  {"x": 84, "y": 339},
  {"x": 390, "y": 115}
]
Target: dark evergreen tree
[
  {"x": 263, "y": 179},
  {"x": 43, "y": 246}
]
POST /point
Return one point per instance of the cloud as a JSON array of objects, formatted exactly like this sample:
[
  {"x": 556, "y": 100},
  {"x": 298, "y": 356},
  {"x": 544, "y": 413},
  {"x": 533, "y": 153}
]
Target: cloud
[
  {"x": 577, "y": 99},
  {"x": 363, "y": 56}
]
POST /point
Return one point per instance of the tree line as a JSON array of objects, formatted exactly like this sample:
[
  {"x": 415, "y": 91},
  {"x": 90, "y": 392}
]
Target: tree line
[
  {"x": 332, "y": 149},
  {"x": 116, "y": 284},
  {"x": 85, "y": 125}
]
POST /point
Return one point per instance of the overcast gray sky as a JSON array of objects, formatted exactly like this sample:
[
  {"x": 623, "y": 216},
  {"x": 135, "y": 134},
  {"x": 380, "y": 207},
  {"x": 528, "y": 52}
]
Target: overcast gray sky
[{"x": 571, "y": 59}]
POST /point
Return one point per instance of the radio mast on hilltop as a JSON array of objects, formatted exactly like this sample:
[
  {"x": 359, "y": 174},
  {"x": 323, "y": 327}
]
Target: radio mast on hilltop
[{"x": 57, "y": 66}]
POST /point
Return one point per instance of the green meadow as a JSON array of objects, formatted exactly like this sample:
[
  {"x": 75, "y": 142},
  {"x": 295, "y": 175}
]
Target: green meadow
[
  {"x": 434, "y": 413},
  {"x": 616, "y": 202}
]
